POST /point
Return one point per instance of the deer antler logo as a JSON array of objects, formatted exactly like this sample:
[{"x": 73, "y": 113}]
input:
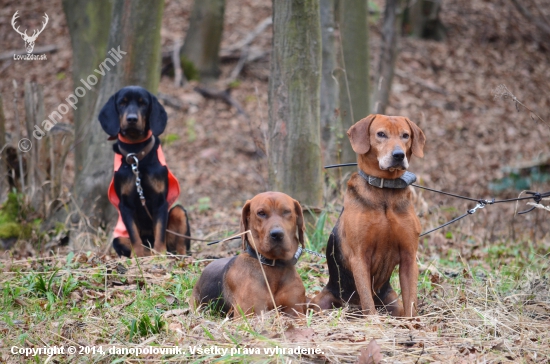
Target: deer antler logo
[{"x": 29, "y": 40}]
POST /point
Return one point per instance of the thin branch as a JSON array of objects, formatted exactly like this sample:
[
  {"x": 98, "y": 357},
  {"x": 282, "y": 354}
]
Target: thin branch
[
  {"x": 420, "y": 82},
  {"x": 502, "y": 92},
  {"x": 245, "y": 43},
  {"x": 179, "y": 76}
]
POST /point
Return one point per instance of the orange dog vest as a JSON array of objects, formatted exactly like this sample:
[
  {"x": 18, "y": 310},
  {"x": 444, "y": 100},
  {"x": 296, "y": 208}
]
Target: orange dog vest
[{"x": 171, "y": 197}]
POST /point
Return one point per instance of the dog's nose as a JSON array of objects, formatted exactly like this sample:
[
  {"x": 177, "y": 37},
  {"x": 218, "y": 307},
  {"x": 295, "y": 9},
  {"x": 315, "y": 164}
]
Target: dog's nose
[
  {"x": 132, "y": 118},
  {"x": 398, "y": 155},
  {"x": 277, "y": 234}
]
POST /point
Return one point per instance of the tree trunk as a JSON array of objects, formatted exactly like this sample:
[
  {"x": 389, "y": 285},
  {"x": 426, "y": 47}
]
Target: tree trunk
[
  {"x": 354, "y": 60},
  {"x": 36, "y": 156},
  {"x": 89, "y": 35},
  {"x": 134, "y": 57},
  {"x": 388, "y": 54},
  {"x": 200, "y": 52},
  {"x": 3, "y": 166},
  {"x": 294, "y": 140},
  {"x": 422, "y": 20},
  {"x": 331, "y": 129}
]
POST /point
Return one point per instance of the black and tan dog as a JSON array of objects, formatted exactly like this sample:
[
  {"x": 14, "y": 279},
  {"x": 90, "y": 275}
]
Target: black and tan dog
[
  {"x": 378, "y": 228},
  {"x": 136, "y": 118},
  {"x": 277, "y": 226}
]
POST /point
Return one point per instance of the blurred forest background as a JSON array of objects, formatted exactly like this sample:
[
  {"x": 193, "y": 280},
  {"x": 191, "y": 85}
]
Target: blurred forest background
[{"x": 232, "y": 97}]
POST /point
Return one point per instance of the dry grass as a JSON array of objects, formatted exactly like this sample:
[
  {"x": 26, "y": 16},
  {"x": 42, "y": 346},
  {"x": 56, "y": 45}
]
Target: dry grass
[{"x": 495, "y": 308}]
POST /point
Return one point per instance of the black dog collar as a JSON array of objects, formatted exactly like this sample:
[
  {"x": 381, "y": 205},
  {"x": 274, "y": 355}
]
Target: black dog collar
[
  {"x": 274, "y": 262},
  {"x": 404, "y": 181}
]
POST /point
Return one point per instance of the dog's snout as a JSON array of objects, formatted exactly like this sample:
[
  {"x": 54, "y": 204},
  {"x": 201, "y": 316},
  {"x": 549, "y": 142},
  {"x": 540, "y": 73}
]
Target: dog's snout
[
  {"x": 398, "y": 155},
  {"x": 132, "y": 118},
  {"x": 277, "y": 234}
]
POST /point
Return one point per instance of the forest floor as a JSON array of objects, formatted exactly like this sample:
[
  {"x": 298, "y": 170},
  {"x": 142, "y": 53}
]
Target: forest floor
[{"x": 483, "y": 288}]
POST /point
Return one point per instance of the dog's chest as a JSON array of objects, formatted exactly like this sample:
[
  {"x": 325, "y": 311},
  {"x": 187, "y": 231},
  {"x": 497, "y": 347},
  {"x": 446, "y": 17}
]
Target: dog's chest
[
  {"x": 380, "y": 218},
  {"x": 152, "y": 179}
]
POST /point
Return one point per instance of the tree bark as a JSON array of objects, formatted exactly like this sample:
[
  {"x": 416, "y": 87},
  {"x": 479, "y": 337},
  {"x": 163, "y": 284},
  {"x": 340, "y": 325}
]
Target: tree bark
[
  {"x": 422, "y": 20},
  {"x": 89, "y": 35},
  {"x": 294, "y": 140},
  {"x": 331, "y": 128},
  {"x": 200, "y": 52},
  {"x": 3, "y": 166},
  {"x": 36, "y": 156},
  {"x": 354, "y": 61},
  {"x": 138, "y": 64},
  {"x": 391, "y": 29}
]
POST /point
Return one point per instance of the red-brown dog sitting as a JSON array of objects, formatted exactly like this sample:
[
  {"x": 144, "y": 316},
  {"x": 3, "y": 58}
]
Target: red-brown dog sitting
[
  {"x": 277, "y": 226},
  {"x": 378, "y": 228}
]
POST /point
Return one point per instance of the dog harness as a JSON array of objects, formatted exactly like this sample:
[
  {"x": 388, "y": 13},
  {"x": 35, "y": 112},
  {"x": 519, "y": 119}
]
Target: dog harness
[
  {"x": 274, "y": 262},
  {"x": 173, "y": 184},
  {"x": 404, "y": 181}
]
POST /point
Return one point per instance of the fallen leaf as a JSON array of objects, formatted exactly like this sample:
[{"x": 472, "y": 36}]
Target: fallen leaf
[
  {"x": 75, "y": 296},
  {"x": 176, "y": 312},
  {"x": 371, "y": 354},
  {"x": 176, "y": 326},
  {"x": 299, "y": 335}
]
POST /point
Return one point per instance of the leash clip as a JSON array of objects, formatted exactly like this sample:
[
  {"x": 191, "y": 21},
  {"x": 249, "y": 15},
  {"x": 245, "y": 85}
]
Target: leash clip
[
  {"x": 135, "y": 158},
  {"x": 480, "y": 205}
]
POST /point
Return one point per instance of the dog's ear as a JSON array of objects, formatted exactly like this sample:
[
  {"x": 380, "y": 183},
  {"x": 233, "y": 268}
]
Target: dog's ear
[
  {"x": 109, "y": 118},
  {"x": 418, "y": 139},
  {"x": 300, "y": 226},
  {"x": 359, "y": 135},
  {"x": 157, "y": 116},
  {"x": 245, "y": 214}
]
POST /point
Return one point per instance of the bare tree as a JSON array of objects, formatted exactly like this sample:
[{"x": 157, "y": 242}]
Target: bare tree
[
  {"x": 294, "y": 140},
  {"x": 200, "y": 52},
  {"x": 391, "y": 30},
  {"x": 422, "y": 20},
  {"x": 89, "y": 35},
  {"x": 3, "y": 165},
  {"x": 134, "y": 59},
  {"x": 354, "y": 62},
  {"x": 331, "y": 128}
]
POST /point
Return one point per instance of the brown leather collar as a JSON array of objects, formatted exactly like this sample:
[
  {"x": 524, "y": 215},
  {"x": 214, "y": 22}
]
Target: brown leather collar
[{"x": 128, "y": 157}]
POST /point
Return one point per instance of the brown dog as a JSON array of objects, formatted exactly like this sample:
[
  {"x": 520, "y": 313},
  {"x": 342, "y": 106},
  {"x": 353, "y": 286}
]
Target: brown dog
[
  {"x": 378, "y": 228},
  {"x": 277, "y": 226}
]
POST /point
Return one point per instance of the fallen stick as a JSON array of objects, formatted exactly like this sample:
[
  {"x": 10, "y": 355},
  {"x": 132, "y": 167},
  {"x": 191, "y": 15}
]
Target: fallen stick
[
  {"x": 420, "y": 82},
  {"x": 171, "y": 101},
  {"x": 249, "y": 38},
  {"x": 224, "y": 96}
]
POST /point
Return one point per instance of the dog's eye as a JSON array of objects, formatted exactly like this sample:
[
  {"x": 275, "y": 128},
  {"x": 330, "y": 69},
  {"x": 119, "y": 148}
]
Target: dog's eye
[
  {"x": 287, "y": 212},
  {"x": 405, "y": 136},
  {"x": 261, "y": 214},
  {"x": 381, "y": 134}
]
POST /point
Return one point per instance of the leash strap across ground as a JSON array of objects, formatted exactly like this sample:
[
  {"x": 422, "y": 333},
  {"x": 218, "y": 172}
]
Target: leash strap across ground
[{"x": 481, "y": 203}]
